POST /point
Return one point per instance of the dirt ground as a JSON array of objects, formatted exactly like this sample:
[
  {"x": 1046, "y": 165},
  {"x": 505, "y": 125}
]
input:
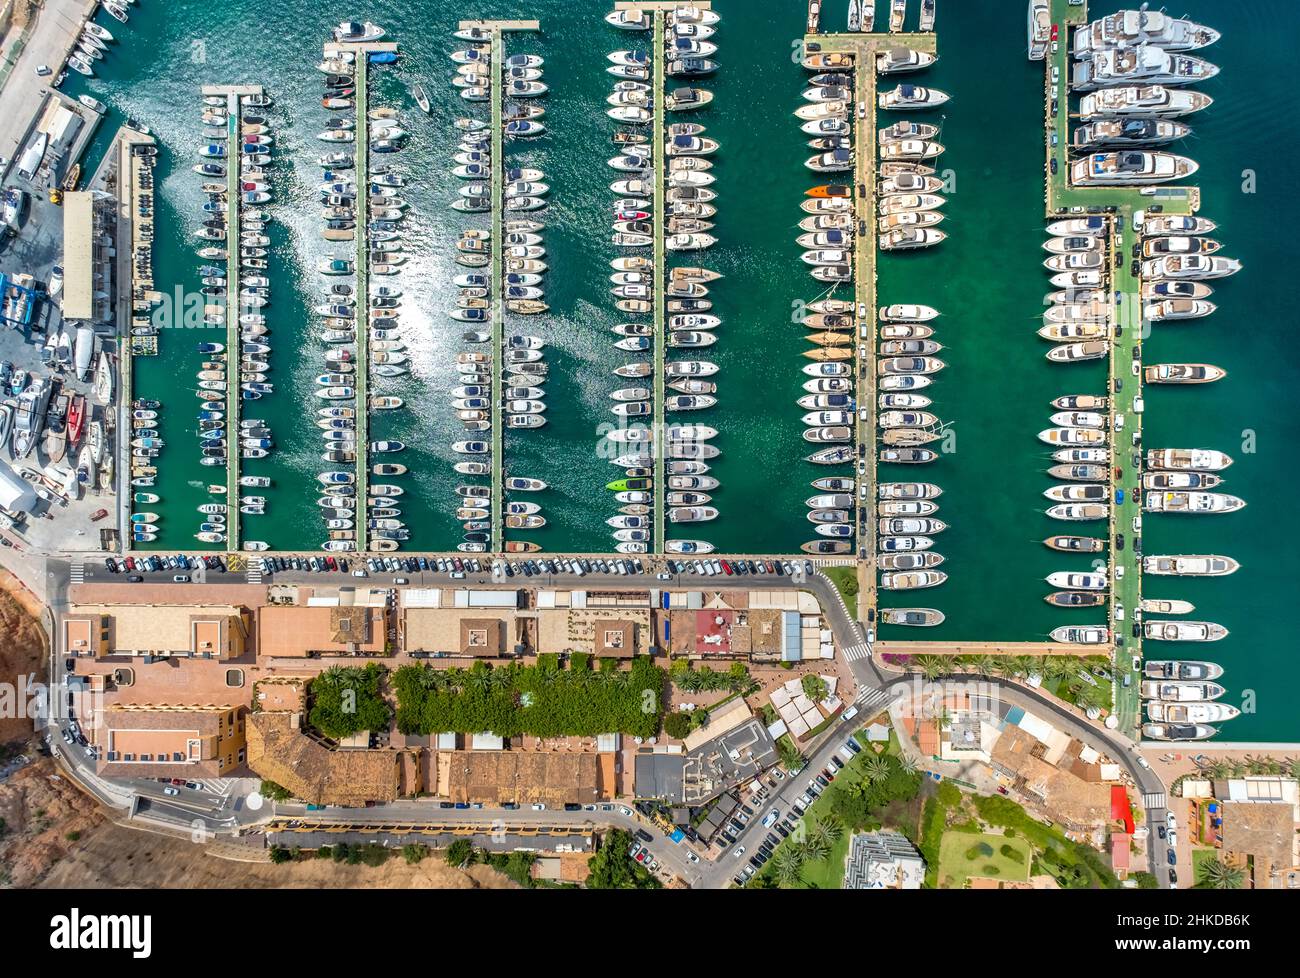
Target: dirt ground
[
  {"x": 113, "y": 857},
  {"x": 22, "y": 653}
]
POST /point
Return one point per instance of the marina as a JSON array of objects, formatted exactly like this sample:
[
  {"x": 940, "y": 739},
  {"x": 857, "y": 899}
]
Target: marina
[{"x": 995, "y": 435}]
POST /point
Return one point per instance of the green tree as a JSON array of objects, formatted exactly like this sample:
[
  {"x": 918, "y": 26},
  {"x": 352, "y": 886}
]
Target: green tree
[
  {"x": 460, "y": 853},
  {"x": 814, "y": 687},
  {"x": 611, "y": 868},
  {"x": 273, "y": 791},
  {"x": 279, "y": 854},
  {"x": 414, "y": 853},
  {"x": 1218, "y": 875},
  {"x": 787, "y": 866},
  {"x": 792, "y": 759},
  {"x": 677, "y": 725},
  {"x": 932, "y": 666}
]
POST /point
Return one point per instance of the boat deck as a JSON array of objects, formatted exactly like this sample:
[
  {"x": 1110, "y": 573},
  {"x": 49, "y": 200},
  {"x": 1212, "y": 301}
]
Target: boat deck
[{"x": 659, "y": 155}]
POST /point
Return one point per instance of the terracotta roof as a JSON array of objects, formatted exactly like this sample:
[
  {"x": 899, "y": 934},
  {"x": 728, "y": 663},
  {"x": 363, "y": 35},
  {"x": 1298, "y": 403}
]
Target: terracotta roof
[
  {"x": 280, "y": 752},
  {"x": 525, "y": 777}
]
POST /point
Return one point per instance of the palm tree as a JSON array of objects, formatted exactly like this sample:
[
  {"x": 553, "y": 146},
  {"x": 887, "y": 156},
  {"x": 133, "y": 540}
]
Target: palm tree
[
  {"x": 1218, "y": 875},
  {"x": 985, "y": 664},
  {"x": 791, "y": 757},
  {"x": 828, "y": 830},
  {"x": 875, "y": 769},
  {"x": 815, "y": 847},
  {"x": 787, "y": 866},
  {"x": 931, "y": 666},
  {"x": 907, "y": 763}
]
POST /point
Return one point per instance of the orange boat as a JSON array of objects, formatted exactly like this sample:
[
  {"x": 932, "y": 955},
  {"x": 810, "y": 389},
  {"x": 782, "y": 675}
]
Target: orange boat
[
  {"x": 828, "y": 353},
  {"x": 830, "y": 190},
  {"x": 522, "y": 547}
]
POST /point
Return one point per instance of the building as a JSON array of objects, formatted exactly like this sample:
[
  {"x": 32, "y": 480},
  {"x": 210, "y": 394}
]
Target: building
[
  {"x": 87, "y": 256},
  {"x": 279, "y": 751},
  {"x": 883, "y": 861},
  {"x": 305, "y": 630},
  {"x": 206, "y": 631},
  {"x": 1261, "y": 839},
  {"x": 494, "y": 777},
  {"x": 157, "y": 741}
]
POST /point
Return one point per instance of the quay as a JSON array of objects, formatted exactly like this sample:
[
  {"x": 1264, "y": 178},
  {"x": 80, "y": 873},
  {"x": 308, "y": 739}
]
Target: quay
[
  {"x": 863, "y": 48},
  {"x": 120, "y": 175},
  {"x": 234, "y": 345},
  {"x": 988, "y": 648}
]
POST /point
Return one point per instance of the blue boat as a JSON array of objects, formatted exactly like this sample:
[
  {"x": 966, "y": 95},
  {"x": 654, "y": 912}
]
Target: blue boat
[{"x": 382, "y": 57}]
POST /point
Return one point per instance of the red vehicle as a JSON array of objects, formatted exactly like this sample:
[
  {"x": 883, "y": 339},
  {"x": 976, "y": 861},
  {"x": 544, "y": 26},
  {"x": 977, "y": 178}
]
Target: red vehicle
[
  {"x": 1056, "y": 30},
  {"x": 726, "y": 567},
  {"x": 98, "y": 515}
]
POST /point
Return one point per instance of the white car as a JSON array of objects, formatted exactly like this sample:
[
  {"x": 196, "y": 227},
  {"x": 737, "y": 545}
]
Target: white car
[
  {"x": 1171, "y": 821},
  {"x": 43, "y": 70},
  {"x": 692, "y": 857},
  {"x": 539, "y": 807},
  {"x": 738, "y": 851}
]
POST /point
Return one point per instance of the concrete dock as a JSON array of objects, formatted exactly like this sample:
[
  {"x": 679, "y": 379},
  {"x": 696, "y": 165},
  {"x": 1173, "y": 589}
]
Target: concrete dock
[
  {"x": 496, "y": 300},
  {"x": 1124, "y": 366},
  {"x": 659, "y": 155},
  {"x": 234, "y": 372},
  {"x": 863, "y": 48},
  {"x": 361, "y": 389}
]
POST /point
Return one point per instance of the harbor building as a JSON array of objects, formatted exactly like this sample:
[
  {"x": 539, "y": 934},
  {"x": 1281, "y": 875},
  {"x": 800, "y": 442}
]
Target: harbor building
[{"x": 88, "y": 256}]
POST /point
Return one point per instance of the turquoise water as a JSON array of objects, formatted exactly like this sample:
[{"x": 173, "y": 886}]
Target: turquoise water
[{"x": 985, "y": 278}]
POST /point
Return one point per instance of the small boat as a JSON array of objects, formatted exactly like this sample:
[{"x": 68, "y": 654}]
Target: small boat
[
  {"x": 1178, "y": 731},
  {"x": 922, "y": 617}
]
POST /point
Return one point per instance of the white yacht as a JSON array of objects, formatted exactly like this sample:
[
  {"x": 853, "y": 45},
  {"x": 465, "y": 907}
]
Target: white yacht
[
  {"x": 1145, "y": 100},
  {"x": 1189, "y": 565},
  {"x": 1154, "y": 28},
  {"x": 1129, "y": 169},
  {"x": 1163, "y": 712},
  {"x": 1140, "y": 65},
  {"x": 1192, "y": 502}
]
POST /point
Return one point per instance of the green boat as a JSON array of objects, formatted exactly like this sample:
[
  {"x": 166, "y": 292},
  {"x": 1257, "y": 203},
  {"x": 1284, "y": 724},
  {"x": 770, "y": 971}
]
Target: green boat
[
  {"x": 623, "y": 485},
  {"x": 145, "y": 497}
]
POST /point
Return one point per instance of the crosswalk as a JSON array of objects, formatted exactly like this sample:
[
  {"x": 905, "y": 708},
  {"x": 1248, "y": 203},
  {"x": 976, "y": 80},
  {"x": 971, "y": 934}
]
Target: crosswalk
[
  {"x": 1154, "y": 799},
  {"x": 860, "y": 651},
  {"x": 871, "y": 699},
  {"x": 253, "y": 573},
  {"x": 77, "y": 573},
  {"x": 834, "y": 562}
]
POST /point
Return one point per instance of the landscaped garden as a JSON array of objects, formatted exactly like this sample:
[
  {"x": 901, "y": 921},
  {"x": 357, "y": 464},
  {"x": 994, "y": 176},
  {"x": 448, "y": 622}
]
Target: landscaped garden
[{"x": 1000, "y": 857}]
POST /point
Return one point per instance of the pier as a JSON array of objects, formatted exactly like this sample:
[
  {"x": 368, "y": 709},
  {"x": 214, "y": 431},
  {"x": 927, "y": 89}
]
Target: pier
[
  {"x": 361, "y": 389},
  {"x": 234, "y": 345},
  {"x": 864, "y": 48},
  {"x": 496, "y": 266},
  {"x": 988, "y": 648},
  {"x": 1124, "y": 366},
  {"x": 361, "y": 51},
  {"x": 659, "y": 153},
  {"x": 496, "y": 296}
]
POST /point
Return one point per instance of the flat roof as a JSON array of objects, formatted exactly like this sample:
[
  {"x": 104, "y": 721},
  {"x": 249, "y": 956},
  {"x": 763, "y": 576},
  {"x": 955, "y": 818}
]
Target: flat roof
[{"x": 78, "y": 247}]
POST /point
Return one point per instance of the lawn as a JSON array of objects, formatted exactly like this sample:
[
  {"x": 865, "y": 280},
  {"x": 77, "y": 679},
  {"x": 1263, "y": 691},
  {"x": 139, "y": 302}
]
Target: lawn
[
  {"x": 845, "y": 580},
  {"x": 957, "y": 860}
]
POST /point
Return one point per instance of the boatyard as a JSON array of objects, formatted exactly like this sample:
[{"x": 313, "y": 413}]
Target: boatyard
[{"x": 546, "y": 486}]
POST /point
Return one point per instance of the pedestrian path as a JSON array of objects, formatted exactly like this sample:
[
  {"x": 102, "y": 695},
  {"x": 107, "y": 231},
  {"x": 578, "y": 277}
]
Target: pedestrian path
[
  {"x": 1154, "y": 799},
  {"x": 254, "y": 572},
  {"x": 77, "y": 575},
  {"x": 871, "y": 700},
  {"x": 860, "y": 651}
]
